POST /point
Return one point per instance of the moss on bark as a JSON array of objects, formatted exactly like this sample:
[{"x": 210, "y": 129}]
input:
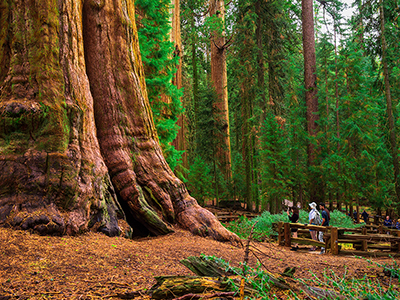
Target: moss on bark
[{"x": 78, "y": 75}]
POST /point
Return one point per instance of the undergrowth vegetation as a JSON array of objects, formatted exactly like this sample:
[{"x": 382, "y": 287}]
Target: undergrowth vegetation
[
  {"x": 265, "y": 229},
  {"x": 330, "y": 286}
]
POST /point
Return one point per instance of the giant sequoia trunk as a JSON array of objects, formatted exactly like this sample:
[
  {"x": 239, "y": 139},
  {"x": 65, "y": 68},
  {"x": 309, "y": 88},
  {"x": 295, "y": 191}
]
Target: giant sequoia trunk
[{"x": 77, "y": 138}]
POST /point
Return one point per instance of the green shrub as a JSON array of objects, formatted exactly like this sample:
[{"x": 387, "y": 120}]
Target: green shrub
[{"x": 264, "y": 227}]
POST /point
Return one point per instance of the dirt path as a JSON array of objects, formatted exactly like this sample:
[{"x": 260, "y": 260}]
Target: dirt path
[{"x": 94, "y": 266}]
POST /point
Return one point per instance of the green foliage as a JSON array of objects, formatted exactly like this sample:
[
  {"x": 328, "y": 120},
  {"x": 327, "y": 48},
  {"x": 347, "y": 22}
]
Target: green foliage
[
  {"x": 266, "y": 82},
  {"x": 160, "y": 63},
  {"x": 352, "y": 288},
  {"x": 264, "y": 227},
  {"x": 200, "y": 181},
  {"x": 338, "y": 286},
  {"x": 338, "y": 219},
  {"x": 274, "y": 160}
]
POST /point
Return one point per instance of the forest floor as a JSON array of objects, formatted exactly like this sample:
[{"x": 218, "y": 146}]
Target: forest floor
[{"x": 95, "y": 266}]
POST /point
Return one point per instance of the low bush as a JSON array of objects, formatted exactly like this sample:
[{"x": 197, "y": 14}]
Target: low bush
[{"x": 264, "y": 228}]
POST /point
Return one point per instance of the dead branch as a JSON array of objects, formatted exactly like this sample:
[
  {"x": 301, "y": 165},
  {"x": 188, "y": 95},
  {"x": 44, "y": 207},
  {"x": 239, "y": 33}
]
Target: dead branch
[{"x": 224, "y": 46}]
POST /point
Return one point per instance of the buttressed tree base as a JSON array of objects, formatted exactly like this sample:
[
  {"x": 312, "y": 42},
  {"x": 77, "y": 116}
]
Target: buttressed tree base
[{"x": 78, "y": 147}]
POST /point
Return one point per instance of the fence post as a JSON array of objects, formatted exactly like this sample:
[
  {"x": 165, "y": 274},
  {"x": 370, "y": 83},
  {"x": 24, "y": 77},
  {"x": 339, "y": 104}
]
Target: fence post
[
  {"x": 334, "y": 241},
  {"x": 398, "y": 243},
  {"x": 280, "y": 233},
  {"x": 287, "y": 234},
  {"x": 364, "y": 244},
  {"x": 380, "y": 229}
]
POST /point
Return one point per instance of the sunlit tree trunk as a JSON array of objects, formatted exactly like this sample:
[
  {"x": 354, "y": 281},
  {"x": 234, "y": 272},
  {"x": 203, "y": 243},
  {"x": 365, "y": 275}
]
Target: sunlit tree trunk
[
  {"x": 78, "y": 136},
  {"x": 180, "y": 140},
  {"x": 219, "y": 79},
  {"x": 310, "y": 81}
]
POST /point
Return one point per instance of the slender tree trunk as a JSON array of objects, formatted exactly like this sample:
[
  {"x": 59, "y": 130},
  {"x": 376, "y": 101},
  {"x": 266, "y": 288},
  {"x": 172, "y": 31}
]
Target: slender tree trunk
[
  {"x": 389, "y": 110},
  {"x": 220, "y": 82},
  {"x": 195, "y": 81},
  {"x": 180, "y": 140},
  {"x": 79, "y": 77},
  {"x": 338, "y": 195},
  {"x": 260, "y": 60},
  {"x": 310, "y": 81},
  {"x": 247, "y": 145}
]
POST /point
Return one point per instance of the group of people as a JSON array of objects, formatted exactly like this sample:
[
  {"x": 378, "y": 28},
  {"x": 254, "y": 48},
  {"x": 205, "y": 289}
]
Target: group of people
[
  {"x": 391, "y": 223},
  {"x": 315, "y": 217},
  {"x": 364, "y": 215}
]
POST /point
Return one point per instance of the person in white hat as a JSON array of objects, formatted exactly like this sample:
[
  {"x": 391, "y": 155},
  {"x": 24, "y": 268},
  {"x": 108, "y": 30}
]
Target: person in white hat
[{"x": 311, "y": 217}]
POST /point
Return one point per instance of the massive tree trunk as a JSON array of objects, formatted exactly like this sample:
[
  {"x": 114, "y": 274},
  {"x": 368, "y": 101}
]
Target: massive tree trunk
[
  {"x": 310, "y": 81},
  {"x": 219, "y": 79},
  {"x": 77, "y": 135}
]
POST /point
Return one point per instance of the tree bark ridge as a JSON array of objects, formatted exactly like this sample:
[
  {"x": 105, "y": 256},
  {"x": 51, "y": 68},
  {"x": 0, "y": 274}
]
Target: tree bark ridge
[{"x": 99, "y": 142}]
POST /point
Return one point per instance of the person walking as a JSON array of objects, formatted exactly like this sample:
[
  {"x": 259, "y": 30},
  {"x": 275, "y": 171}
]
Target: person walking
[
  {"x": 326, "y": 216},
  {"x": 293, "y": 219},
  {"x": 312, "y": 216},
  {"x": 365, "y": 216}
]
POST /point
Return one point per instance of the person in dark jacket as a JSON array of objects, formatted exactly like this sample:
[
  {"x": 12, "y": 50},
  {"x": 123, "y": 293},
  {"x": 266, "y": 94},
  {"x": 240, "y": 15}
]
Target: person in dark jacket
[
  {"x": 326, "y": 217},
  {"x": 398, "y": 224},
  {"x": 387, "y": 222},
  {"x": 365, "y": 216},
  {"x": 293, "y": 219}
]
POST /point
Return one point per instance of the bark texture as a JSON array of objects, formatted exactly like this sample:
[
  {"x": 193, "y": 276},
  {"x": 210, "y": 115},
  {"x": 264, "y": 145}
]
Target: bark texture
[
  {"x": 53, "y": 178},
  {"x": 310, "y": 82},
  {"x": 180, "y": 140},
  {"x": 220, "y": 82},
  {"x": 77, "y": 131}
]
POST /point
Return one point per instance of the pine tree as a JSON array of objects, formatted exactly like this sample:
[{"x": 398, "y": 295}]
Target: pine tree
[{"x": 160, "y": 64}]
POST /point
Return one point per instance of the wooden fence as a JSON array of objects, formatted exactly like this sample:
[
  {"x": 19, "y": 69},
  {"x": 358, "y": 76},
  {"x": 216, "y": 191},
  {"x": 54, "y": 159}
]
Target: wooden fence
[
  {"x": 232, "y": 215},
  {"x": 368, "y": 240}
]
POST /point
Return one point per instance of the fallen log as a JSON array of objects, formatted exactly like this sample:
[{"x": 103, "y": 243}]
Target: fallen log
[
  {"x": 168, "y": 287},
  {"x": 202, "y": 267}
]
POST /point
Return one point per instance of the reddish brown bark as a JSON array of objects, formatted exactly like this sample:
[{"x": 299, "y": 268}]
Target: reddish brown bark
[
  {"x": 310, "y": 77},
  {"x": 219, "y": 79},
  {"x": 180, "y": 140},
  {"x": 86, "y": 77},
  {"x": 310, "y": 81}
]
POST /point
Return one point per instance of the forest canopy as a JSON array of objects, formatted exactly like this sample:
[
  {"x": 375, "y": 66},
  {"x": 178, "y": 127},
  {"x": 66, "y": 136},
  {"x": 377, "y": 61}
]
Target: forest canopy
[{"x": 356, "y": 97}]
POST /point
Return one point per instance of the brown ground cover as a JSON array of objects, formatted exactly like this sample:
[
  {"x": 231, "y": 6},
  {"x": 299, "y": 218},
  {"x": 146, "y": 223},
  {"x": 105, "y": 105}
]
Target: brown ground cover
[{"x": 94, "y": 266}]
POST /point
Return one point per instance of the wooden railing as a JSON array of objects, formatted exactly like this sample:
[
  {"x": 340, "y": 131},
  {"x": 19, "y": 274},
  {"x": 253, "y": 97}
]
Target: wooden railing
[
  {"x": 228, "y": 216},
  {"x": 379, "y": 239}
]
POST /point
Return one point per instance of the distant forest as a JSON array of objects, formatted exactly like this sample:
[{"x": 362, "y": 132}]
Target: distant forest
[{"x": 259, "y": 101}]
